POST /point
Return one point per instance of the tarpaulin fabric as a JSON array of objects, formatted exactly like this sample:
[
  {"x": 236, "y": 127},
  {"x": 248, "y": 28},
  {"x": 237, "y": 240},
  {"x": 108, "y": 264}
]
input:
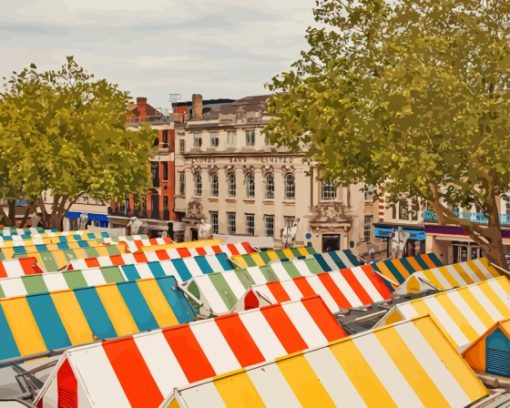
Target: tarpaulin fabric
[
  {"x": 56, "y": 260},
  {"x": 266, "y": 257},
  {"x": 160, "y": 254},
  {"x": 406, "y": 365},
  {"x": 9, "y": 231},
  {"x": 462, "y": 314},
  {"x": 449, "y": 276},
  {"x": 335, "y": 260},
  {"x": 398, "y": 270},
  {"x": 133, "y": 245},
  {"x": 187, "y": 244},
  {"x": 55, "y": 320},
  {"x": 19, "y": 267},
  {"x": 219, "y": 292},
  {"x": 139, "y": 371},
  {"x": 14, "y": 251},
  {"x": 341, "y": 290},
  {"x": 64, "y": 235}
]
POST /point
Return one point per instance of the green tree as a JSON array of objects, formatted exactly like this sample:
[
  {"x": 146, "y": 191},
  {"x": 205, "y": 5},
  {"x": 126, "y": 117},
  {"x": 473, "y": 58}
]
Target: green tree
[
  {"x": 63, "y": 131},
  {"x": 411, "y": 96}
]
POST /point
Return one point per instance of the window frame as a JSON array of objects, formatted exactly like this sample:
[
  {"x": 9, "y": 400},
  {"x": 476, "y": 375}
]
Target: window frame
[
  {"x": 197, "y": 184},
  {"x": 214, "y": 220},
  {"x": 267, "y": 185},
  {"x": 249, "y": 180},
  {"x": 214, "y": 136},
  {"x": 231, "y": 184},
  {"x": 197, "y": 140},
  {"x": 328, "y": 190},
  {"x": 214, "y": 184},
  {"x": 249, "y": 137},
  {"x": 289, "y": 189},
  {"x": 250, "y": 223},
  {"x": 182, "y": 183},
  {"x": 268, "y": 217},
  {"x": 231, "y": 226}
]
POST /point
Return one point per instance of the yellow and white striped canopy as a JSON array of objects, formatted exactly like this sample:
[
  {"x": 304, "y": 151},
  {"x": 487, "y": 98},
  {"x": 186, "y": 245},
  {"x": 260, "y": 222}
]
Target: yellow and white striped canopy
[{"x": 409, "y": 364}]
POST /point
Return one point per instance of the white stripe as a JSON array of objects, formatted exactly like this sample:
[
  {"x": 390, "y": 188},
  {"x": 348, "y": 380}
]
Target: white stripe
[
  {"x": 438, "y": 274},
  {"x": 93, "y": 277},
  {"x": 144, "y": 270},
  {"x": 302, "y": 267},
  {"x": 55, "y": 281},
  {"x": 280, "y": 271},
  {"x": 262, "y": 334},
  {"x": 321, "y": 290},
  {"x": 265, "y": 292},
  {"x": 234, "y": 284},
  {"x": 170, "y": 270},
  {"x": 406, "y": 310},
  {"x": 204, "y": 395},
  {"x": 329, "y": 260},
  {"x": 487, "y": 304},
  {"x": 497, "y": 286},
  {"x": 151, "y": 256},
  {"x": 366, "y": 284},
  {"x": 305, "y": 325},
  {"x": 433, "y": 365},
  {"x": 292, "y": 290},
  {"x": 79, "y": 264},
  {"x": 272, "y": 387},
  {"x": 192, "y": 266},
  {"x": 386, "y": 371},
  {"x": 105, "y": 388},
  {"x": 210, "y": 296},
  {"x": 83, "y": 400},
  {"x": 467, "y": 311},
  {"x": 256, "y": 274},
  {"x": 458, "y": 278},
  {"x": 346, "y": 288},
  {"x": 214, "y": 263},
  {"x": 50, "y": 396},
  {"x": 14, "y": 269},
  {"x": 129, "y": 259},
  {"x": 161, "y": 361},
  {"x": 104, "y": 261},
  {"x": 215, "y": 347},
  {"x": 334, "y": 379},
  {"x": 13, "y": 287}
]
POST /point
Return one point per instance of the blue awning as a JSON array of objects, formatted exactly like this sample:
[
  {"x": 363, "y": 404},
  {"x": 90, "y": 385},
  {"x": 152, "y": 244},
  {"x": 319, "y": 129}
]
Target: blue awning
[
  {"x": 73, "y": 214},
  {"x": 385, "y": 232},
  {"x": 98, "y": 217}
]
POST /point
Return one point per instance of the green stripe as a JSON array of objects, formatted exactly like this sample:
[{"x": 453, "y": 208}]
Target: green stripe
[
  {"x": 69, "y": 254},
  {"x": 50, "y": 264},
  {"x": 313, "y": 265},
  {"x": 221, "y": 285},
  {"x": 34, "y": 284},
  {"x": 269, "y": 274},
  {"x": 265, "y": 257},
  {"x": 291, "y": 269},
  {"x": 2, "y": 293},
  {"x": 90, "y": 252},
  {"x": 112, "y": 250},
  {"x": 2, "y": 255},
  {"x": 249, "y": 260},
  {"x": 75, "y": 279},
  {"x": 112, "y": 274},
  {"x": 244, "y": 277},
  {"x": 193, "y": 289}
]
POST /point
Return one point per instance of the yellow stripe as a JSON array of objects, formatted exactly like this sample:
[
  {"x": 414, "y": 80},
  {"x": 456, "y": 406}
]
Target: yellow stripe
[
  {"x": 60, "y": 259},
  {"x": 423, "y": 310},
  {"x": 239, "y": 260},
  {"x": 463, "y": 273},
  {"x": 479, "y": 274},
  {"x": 386, "y": 271},
  {"x": 401, "y": 268},
  {"x": 303, "y": 250},
  {"x": 403, "y": 358},
  {"x": 501, "y": 305},
  {"x": 361, "y": 375},
  {"x": 393, "y": 317},
  {"x": 443, "y": 271},
  {"x": 117, "y": 310},
  {"x": 272, "y": 255},
  {"x": 455, "y": 365},
  {"x": 304, "y": 382},
  {"x": 259, "y": 261},
  {"x": 431, "y": 277},
  {"x": 72, "y": 317},
  {"x": 238, "y": 391},
  {"x": 23, "y": 326},
  {"x": 8, "y": 253},
  {"x": 414, "y": 264},
  {"x": 157, "y": 303},
  {"x": 457, "y": 316},
  {"x": 173, "y": 403},
  {"x": 428, "y": 261}
]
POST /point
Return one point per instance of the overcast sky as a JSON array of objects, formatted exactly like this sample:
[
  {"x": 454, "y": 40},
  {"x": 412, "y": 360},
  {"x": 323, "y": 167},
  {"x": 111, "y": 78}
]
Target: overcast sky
[{"x": 220, "y": 48}]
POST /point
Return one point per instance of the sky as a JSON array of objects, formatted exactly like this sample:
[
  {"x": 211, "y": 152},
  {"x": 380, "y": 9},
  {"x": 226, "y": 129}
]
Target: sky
[{"x": 153, "y": 48}]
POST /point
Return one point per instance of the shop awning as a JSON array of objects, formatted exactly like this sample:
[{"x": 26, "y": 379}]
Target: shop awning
[
  {"x": 386, "y": 231},
  {"x": 266, "y": 257},
  {"x": 19, "y": 250},
  {"x": 98, "y": 217},
  {"x": 19, "y": 267},
  {"x": 334, "y": 260}
]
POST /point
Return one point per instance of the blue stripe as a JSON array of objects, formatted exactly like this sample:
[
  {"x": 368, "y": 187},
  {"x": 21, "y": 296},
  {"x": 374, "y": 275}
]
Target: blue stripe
[
  {"x": 204, "y": 265},
  {"x": 105, "y": 234},
  {"x": 82, "y": 244},
  {"x": 324, "y": 265},
  {"x": 407, "y": 265},
  {"x": 137, "y": 306},
  {"x": 19, "y": 250},
  {"x": 8, "y": 348},
  {"x": 130, "y": 272},
  {"x": 336, "y": 259},
  {"x": 63, "y": 245},
  {"x": 182, "y": 269},
  {"x": 175, "y": 297},
  {"x": 62, "y": 239},
  {"x": 156, "y": 269},
  {"x": 41, "y": 247},
  {"x": 394, "y": 271},
  {"x": 48, "y": 321},
  {"x": 355, "y": 261},
  {"x": 225, "y": 262},
  {"x": 95, "y": 313},
  {"x": 435, "y": 259},
  {"x": 421, "y": 262}
]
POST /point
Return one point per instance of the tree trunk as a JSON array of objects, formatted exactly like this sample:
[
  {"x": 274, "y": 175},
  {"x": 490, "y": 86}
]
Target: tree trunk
[{"x": 12, "y": 212}]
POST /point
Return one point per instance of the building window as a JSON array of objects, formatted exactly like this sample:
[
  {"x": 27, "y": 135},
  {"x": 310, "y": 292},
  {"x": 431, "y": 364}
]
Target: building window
[
  {"x": 231, "y": 180},
  {"x": 197, "y": 179},
  {"x": 250, "y": 185},
  {"x": 165, "y": 202},
  {"x": 197, "y": 140},
  {"x": 369, "y": 193},
  {"x": 290, "y": 187},
  {"x": 250, "y": 224},
  {"x": 215, "y": 140},
  {"x": 155, "y": 175},
  {"x": 328, "y": 191},
  {"x": 269, "y": 179},
  {"x": 214, "y": 185},
  {"x": 213, "y": 216},
  {"x": 269, "y": 225},
  {"x": 182, "y": 183},
  {"x": 165, "y": 171},
  {"x": 231, "y": 139},
  {"x": 165, "y": 136},
  {"x": 250, "y": 137},
  {"x": 415, "y": 209},
  {"x": 182, "y": 145},
  {"x": 231, "y": 223},
  {"x": 403, "y": 210},
  {"x": 367, "y": 228}
]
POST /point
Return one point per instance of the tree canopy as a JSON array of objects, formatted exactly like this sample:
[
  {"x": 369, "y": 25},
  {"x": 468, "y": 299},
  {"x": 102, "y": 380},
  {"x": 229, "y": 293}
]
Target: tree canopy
[
  {"x": 411, "y": 96},
  {"x": 63, "y": 131}
]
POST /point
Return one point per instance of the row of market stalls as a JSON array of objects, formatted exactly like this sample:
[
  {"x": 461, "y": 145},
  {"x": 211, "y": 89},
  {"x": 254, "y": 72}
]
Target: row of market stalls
[{"x": 148, "y": 323}]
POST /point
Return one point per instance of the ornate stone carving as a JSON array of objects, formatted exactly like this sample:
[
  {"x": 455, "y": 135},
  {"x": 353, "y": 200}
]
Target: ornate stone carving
[{"x": 329, "y": 213}]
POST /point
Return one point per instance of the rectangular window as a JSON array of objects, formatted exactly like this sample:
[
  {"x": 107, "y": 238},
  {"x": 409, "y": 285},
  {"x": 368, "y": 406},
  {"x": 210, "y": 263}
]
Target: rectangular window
[
  {"x": 165, "y": 136},
  {"x": 328, "y": 191},
  {"x": 231, "y": 139},
  {"x": 269, "y": 224},
  {"x": 250, "y": 224},
  {"x": 182, "y": 183},
  {"x": 215, "y": 140},
  {"x": 155, "y": 175},
  {"x": 182, "y": 145},
  {"x": 250, "y": 137},
  {"x": 369, "y": 193},
  {"x": 197, "y": 140},
  {"x": 165, "y": 202},
  {"x": 367, "y": 228},
  {"x": 231, "y": 223},
  {"x": 165, "y": 171},
  {"x": 403, "y": 210},
  {"x": 213, "y": 216}
]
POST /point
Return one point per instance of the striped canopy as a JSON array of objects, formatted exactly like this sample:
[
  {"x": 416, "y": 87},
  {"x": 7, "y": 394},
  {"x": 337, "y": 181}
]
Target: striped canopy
[
  {"x": 133, "y": 245},
  {"x": 341, "y": 290},
  {"x": 50, "y": 239},
  {"x": 462, "y": 314},
  {"x": 187, "y": 244},
  {"x": 334, "y": 260},
  {"x": 398, "y": 270},
  {"x": 139, "y": 371},
  {"x": 56, "y": 260},
  {"x": 406, "y": 365},
  {"x": 10, "y": 231},
  {"x": 19, "y": 267},
  {"x": 266, "y": 257},
  {"x": 9, "y": 253},
  {"x": 450, "y": 276},
  {"x": 55, "y": 320},
  {"x": 159, "y": 255}
]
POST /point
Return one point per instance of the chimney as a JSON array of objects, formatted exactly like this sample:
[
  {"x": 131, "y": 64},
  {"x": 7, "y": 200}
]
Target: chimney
[
  {"x": 141, "y": 106},
  {"x": 197, "y": 107}
]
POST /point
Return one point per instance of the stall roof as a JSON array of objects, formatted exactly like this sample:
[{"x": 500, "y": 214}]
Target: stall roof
[
  {"x": 266, "y": 257},
  {"x": 409, "y": 364},
  {"x": 49, "y": 239},
  {"x": 19, "y": 267},
  {"x": 140, "y": 370},
  {"x": 134, "y": 245},
  {"x": 16, "y": 251}
]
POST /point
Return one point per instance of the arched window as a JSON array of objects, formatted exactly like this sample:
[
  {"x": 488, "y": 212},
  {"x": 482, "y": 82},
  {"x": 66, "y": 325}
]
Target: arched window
[
  {"x": 328, "y": 190},
  {"x": 231, "y": 181},
  {"x": 290, "y": 186},
  {"x": 250, "y": 185},
  {"x": 214, "y": 184},
  {"x": 269, "y": 179},
  {"x": 197, "y": 179}
]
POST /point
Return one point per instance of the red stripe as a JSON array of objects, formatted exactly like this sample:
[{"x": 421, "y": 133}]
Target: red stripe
[
  {"x": 334, "y": 290},
  {"x": 27, "y": 264},
  {"x": 216, "y": 249},
  {"x": 284, "y": 328},
  {"x": 278, "y": 292},
  {"x": 356, "y": 286},
  {"x": 304, "y": 287},
  {"x": 140, "y": 257},
  {"x": 67, "y": 387},
  {"x": 117, "y": 260},
  {"x": 162, "y": 254},
  {"x": 3, "y": 272},
  {"x": 239, "y": 340},
  {"x": 92, "y": 262},
  {"x": 248, "y": 248},
  {"x": 251, "y": 301},
  {"x": 189, "y": 353},
  {"x": 233, "y": 249},
  {"x": 183, "y": 252},
  {"x": 133, "y": 374},
  {"x": 376, "y": 281},
  {"x": 201, "y": 251},
  {"x": 324, "y": 319}
]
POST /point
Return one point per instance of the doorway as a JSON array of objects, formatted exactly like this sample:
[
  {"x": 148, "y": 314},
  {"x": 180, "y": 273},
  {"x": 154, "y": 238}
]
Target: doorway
[{"x": 330, "y": 242}]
